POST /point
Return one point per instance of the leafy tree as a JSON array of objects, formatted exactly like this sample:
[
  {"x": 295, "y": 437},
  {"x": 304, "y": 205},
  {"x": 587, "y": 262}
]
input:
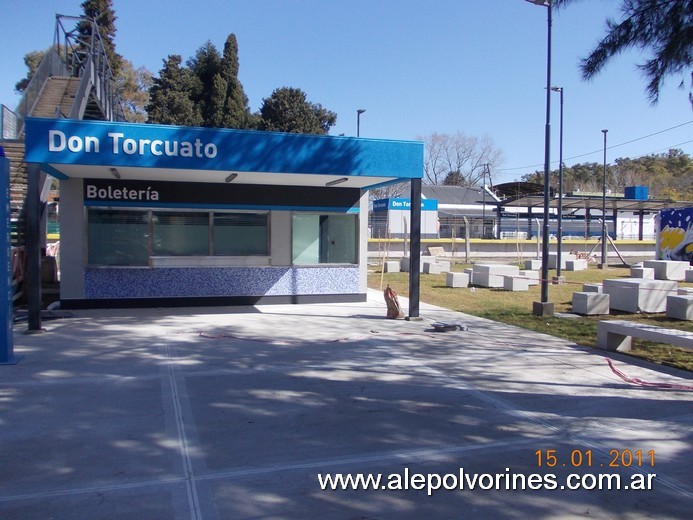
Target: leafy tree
[
  {"x": 401, "y": 189},
  {"x": 133, "y": 86},
  {"x": 667, "y": 176},
  {"x": 32, "y": 60},
  {"x": 663, "y": 27},
  {"x": 288, "y": 110},
  {"x": 458, "y": 159},
  {"x": 169, "y": 98}
]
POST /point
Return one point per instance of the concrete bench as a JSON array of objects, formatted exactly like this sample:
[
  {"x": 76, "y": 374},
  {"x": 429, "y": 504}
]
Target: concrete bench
[
  {"x": 491, "y": 275},
  {"x": 457, "y": 280},
  {"x": 515, "y": 283},
  {"x": 680, "y": 307},
  {"x": 618, "y": 335},
  {"x": 639, "y": 295},
  {"x": 531, "y": 276},
  {"x": 668, "y": 269},
  {"x": 590, "y": 303}
]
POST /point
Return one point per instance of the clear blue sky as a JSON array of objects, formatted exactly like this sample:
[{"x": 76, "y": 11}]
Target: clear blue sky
[{"x": 443, "y": 66}]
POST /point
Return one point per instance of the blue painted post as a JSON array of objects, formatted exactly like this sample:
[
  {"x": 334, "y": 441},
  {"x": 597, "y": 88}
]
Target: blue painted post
[{"x": 6, "y": 341}]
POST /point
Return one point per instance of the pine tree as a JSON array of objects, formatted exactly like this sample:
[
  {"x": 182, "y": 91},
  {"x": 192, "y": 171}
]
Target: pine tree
[
  {"x": 288, "y": 110},
  {"x": 662, "y": 27},
  {"x": 170, "y": 102},
  {"x": 236, "y": 113},
  {"x": 101, "y": 11},
  {"x": 206, "y": 66}
]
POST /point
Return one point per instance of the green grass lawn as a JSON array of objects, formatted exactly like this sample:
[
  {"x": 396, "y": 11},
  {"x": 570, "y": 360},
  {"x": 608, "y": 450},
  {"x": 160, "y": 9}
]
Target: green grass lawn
[{"x": 515, "y": 308}]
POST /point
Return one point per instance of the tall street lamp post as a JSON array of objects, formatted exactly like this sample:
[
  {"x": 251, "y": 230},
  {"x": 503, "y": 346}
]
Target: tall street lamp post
[
  {"x": 559, "y": 247},
  {"x": 544, "y": 308},
  {"x": 604, "y": 263},
  {"x": 358, "y": 121}
]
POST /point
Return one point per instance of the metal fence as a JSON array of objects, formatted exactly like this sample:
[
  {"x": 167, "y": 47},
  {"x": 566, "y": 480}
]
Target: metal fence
[{"x": 461, "y": 227}]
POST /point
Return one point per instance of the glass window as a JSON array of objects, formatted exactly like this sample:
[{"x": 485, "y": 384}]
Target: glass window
[
  {"x": 118, "y": 237},
  {"x": 180, "y": 233},
  {"x": 324, "y": 239},
  {"x": 240, "y": 234}
]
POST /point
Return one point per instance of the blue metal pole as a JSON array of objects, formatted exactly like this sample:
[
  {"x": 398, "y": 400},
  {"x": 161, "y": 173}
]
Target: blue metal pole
[{"x": 7, "y": 356}]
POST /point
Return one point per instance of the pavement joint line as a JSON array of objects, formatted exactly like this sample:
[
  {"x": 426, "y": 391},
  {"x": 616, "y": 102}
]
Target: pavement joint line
[
  {"x": 196, "y": 512},
  {"x": 93, "y": 489},
  {"x": 360, "y": 459}
]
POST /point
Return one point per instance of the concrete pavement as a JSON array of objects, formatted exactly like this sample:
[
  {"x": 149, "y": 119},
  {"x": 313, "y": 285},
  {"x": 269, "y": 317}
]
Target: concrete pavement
[{"x": 211, "y": 413}]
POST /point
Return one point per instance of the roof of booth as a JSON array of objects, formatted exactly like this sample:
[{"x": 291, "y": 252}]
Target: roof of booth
[{"x": 98, "y": 149}]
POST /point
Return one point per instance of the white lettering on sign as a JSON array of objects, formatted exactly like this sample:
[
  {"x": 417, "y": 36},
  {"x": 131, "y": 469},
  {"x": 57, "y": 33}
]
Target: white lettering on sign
[
  {"x": 58, "y": 141},
  {"x": 129, "y": 146},
  {"x": 111, "y": 193}
]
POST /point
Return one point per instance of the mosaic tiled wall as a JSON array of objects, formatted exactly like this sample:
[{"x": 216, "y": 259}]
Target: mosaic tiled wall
[{"x": 219, "y": 281}]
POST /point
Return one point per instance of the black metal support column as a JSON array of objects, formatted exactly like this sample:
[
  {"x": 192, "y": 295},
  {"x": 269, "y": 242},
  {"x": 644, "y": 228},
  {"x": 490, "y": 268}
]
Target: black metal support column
[
  {"x": 415, "y": 249},
  {"x": 33, "y": 248},
  {"x": 641, "y": 224}
]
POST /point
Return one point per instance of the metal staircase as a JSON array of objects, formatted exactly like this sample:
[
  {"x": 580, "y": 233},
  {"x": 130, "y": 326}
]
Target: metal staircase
[{"x": 75, "y": 81}]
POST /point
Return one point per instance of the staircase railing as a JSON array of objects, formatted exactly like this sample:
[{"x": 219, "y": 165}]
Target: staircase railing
[
  {"x": 51, "y": 65},
  {"x": 76, "y": 55},
  {"x": 85, "y": 57}
]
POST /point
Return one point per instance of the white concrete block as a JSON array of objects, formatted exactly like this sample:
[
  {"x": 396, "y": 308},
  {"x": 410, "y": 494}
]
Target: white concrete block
[
  {"x": 579, "y": 264},
  {"x": 470, "y": 272},
  {"x": 590, "y": 303},
  {"x": 488, "y": 280},
  {"x": 457, "y": 280},
  {"x": 680, "y": 307},
  {"x": 668, "y": 269},
  {"x": 592, "y": 287},
  {"x": 406, "y": 262},
  {"x": 638, "y": 294},
  {"x": 642, "y": 272},
  {"x": 531, "y": 276},
  {"x": 515, "y": 283},
  {"x": 564, "y": 258},
  {"x": 443, "y": 265},
  {"x": 431, "y": 268},
  {"x": 391, "y": 267},
  {"x": 533, "y": 265},
  {"x": 499, "y": 269}
]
